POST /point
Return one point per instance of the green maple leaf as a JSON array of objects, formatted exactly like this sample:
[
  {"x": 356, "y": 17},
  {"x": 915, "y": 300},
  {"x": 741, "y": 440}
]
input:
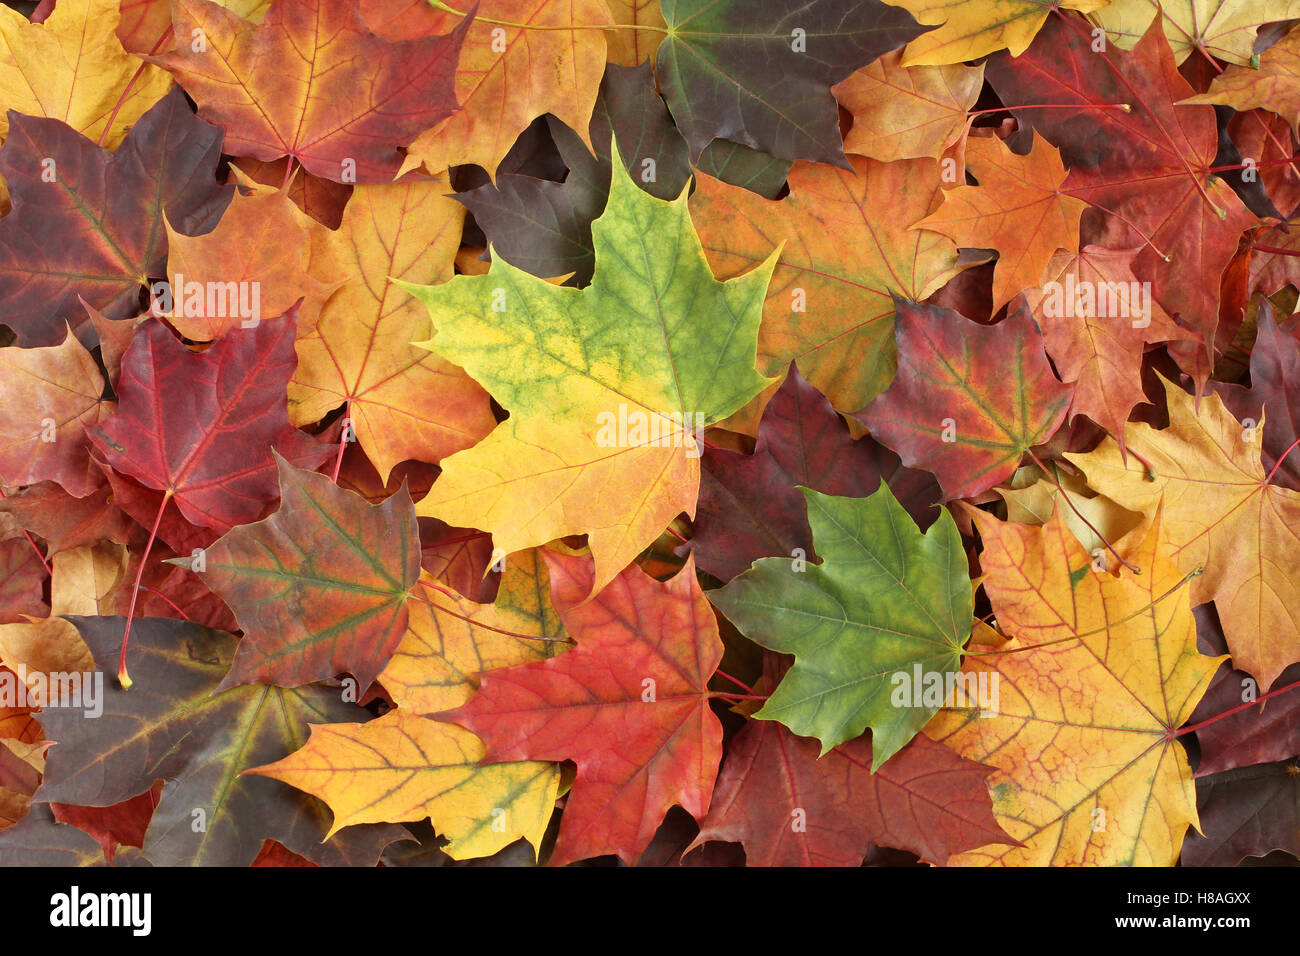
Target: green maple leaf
[
  {"x": 884, "y": 599},
  {"x": 655, "y": 335}
]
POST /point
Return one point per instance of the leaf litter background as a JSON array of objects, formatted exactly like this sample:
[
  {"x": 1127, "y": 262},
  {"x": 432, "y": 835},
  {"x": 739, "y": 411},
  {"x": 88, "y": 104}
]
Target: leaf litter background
[{"x": 368, "y": 583}]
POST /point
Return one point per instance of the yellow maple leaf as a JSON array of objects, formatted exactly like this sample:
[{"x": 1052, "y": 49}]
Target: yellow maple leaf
[
  {"x": 1222, "y": 514},
  {"x": 1101, "y": 671},
  {"x": 1224, "y": 29},
  {"x": 972, "y": 28},
  {"x": 450, "y": 640},
  {"x": 404, "y": 402},
  {"x": 405, "y": 767},
  {"x": 73, "y": 68}
]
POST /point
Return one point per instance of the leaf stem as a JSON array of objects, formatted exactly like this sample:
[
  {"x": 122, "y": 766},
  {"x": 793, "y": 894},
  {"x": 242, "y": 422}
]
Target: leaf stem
[
  {"x": 32, "y": 541},
  {"x": 126, "y": 90},
  {"x": 170, "y": 603},
  {"x": 123, "y": 677},
  {"x": 1268, "y": 162},
  {"x": 1278, "y": 464},
  {"x": 1276, "y": 250},
  {"x": 1053, "y": 106},
  {"x": 1190, "y": 728},
  {"x": 1151, "y": 474},
  {"x": 739, "y": 683},
  {"x": 343, "y": 433}
]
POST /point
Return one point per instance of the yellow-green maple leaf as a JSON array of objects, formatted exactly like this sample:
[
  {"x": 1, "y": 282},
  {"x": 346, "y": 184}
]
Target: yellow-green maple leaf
[{"x": 607, "y": 386}]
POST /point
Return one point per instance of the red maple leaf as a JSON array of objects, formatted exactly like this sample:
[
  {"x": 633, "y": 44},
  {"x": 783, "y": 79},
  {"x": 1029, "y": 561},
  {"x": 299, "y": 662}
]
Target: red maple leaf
[{"x": 629, "y": 705}]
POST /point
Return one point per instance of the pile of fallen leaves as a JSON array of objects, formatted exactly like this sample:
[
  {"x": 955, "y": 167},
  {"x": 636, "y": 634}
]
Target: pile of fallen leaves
[{"x": 693, "y": 431}]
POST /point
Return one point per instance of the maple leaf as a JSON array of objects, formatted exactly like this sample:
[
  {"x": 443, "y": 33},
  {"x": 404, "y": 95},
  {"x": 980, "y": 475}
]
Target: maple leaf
[
  {"x": 262, "y": 242},
  {"x": 907, "y": 112},
  {"x": 1222, "y": 514},
  {"x": 208, "y": 448},
  {"x": 175, "y": 724},
  {"x": 40, "y": 651},
  {"x": 1148, "y": 163},
  {"x": 21, "y": 766},
  {"x": 1272, "y": 271},
  {"x": 341, "y": 112},
  {"x": 1223, "y": 29},
  {"x": 516, "y": 63},
  {"x": 972, "y": 28},
  {"x": 18, "y": 722},
  {"x": 66, "y": 68},
  {"x": 1250, "y": 811},
  {"x": 830, "y": 303},
  {"x": 750, "y": 506},
  {"x": 166, "y": 588},
  {"x": 107, "y": 210},
  {"x": 1095, "y": 323},
  {"x": 406, "y": 767},
  {"x": 886, "y": 600},
  {"x": 114, "y": 337},
  {"x": 953, "y": 409},
  {"x": 273, "y": 854},
  {"x": 50, "y": 394},
  {"x": 37, "y": 648},
  {"x": 739, "y": 165},
  {"x": 1101, "y": 670},
  {"x": 629, "y": 705},
  {"x": 790, "y": 808},
  {"x": 1017, "y": 209},
  {"x": 531, "y": 412},
  {"x": 570, "y": 364},
  {"x": 1271, "y": 398},
  {"x": 760, "y": 75},
  {"x": 403, "y": 402},
  {"x": 1257, "y": 133},
  {"x": 320, "y": 586},
  {"x": 450, "y": 640}
]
